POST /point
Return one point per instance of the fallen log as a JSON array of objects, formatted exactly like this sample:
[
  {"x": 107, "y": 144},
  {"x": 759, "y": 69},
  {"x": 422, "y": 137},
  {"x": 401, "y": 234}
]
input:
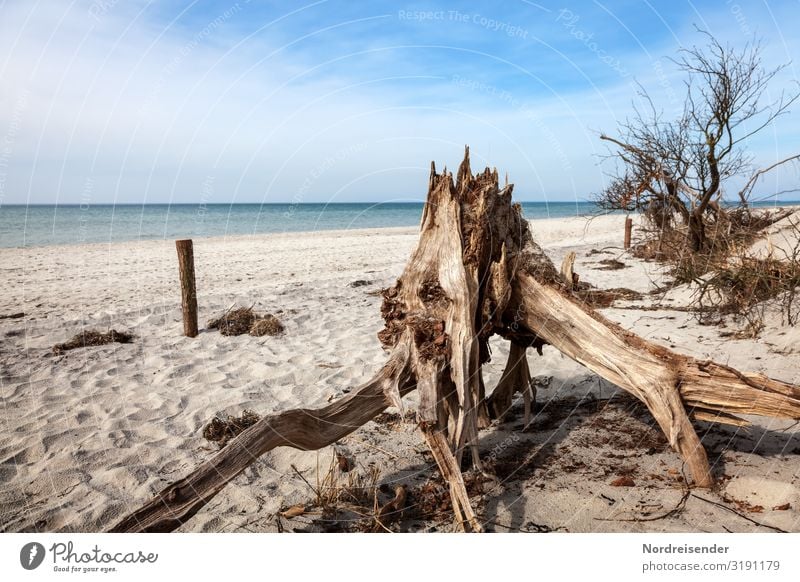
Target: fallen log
[{"x": 477, "y": 272}]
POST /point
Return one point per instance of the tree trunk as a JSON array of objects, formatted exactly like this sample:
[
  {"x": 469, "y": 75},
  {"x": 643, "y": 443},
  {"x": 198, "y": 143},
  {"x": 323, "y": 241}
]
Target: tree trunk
[
  {"x": 697, "y": 231},
  {"x": 476, "y": 272}
]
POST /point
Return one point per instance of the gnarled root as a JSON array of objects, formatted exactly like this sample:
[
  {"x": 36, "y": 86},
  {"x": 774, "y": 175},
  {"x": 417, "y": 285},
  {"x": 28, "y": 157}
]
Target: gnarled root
[
  {"x": 516, "y": 378},
  {"x": 305, "y": 429}
]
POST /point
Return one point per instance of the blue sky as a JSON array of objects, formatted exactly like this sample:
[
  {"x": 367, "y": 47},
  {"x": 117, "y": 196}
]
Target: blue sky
[{"x": 129, "y": 101}]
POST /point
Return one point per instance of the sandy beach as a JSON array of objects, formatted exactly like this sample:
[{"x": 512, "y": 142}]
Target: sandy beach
[{"x": 93, "y": 433}]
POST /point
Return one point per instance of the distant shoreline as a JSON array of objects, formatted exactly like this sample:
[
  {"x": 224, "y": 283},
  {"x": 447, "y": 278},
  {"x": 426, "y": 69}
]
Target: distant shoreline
[
  {"x": 255, "y": 237},
  {"x": 762, "y": 204},
  {"x": 37, "y": 226}
]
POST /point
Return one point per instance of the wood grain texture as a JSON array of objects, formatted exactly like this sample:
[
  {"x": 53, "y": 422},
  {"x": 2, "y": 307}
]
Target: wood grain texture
[
  {"x": 516, "y": 377},
  {"x": 589, "y": 340}
]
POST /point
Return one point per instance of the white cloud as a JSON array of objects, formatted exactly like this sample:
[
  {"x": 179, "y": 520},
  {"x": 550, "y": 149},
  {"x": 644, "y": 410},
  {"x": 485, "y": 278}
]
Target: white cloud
[{"x": 148, "y": 109}]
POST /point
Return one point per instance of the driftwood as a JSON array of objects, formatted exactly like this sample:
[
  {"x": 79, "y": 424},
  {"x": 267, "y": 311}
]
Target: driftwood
[
  {"x": 477, "y": 272},
  {"x": 568, "y": 273}
]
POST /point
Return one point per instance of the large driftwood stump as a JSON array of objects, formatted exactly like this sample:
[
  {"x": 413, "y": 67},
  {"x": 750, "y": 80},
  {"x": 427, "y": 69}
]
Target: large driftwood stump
[{"x": 477, "y": 272}]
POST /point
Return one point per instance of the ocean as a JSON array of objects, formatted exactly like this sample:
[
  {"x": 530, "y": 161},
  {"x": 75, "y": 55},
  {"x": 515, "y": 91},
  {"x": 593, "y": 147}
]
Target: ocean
[{"x": 39, "y": 225}]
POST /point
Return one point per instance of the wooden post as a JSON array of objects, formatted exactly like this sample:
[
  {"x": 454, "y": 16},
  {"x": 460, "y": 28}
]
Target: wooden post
[
  {"x": 188, "y": 291},
  {"x": 628, "y": 228}
]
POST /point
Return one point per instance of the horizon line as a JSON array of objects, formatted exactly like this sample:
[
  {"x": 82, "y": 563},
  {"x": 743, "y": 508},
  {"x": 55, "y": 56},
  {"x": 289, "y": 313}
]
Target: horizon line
[{"x": 377, "y": 203}]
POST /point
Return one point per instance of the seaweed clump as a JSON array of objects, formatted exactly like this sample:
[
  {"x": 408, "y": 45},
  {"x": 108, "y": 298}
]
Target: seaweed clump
[
  {"x": 267, "y": 325},
  {"x": 93, "y": 338},
  {"x": 222, "y": 429},
  {"x": 244, "y": 320}
]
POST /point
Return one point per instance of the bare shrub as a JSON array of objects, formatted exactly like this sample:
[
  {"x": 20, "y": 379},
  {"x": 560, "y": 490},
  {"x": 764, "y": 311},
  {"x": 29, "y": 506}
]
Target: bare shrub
[
  {"x": 744, "y": 286},
  {"x": 675, "y": 170},
  {"x": 727, "y": 233}
]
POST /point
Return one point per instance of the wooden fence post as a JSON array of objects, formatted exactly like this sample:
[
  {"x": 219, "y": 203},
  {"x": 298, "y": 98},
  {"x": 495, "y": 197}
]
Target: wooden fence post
[
  {"x": 628, "y": 228},
  {"x": 188, "y": 291}
]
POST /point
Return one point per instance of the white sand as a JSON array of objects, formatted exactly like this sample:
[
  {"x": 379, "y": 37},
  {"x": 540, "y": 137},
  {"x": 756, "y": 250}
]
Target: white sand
[{"x": 93, "y": 433}]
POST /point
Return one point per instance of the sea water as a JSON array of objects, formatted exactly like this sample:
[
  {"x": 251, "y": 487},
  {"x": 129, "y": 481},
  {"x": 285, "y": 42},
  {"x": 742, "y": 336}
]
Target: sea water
[{"x": 37, "y": 225}]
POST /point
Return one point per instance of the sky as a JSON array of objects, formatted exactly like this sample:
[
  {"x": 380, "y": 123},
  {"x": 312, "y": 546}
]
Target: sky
[{"x": 129, "y": 101}]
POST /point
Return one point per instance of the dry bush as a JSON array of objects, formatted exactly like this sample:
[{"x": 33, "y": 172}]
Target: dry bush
[
  {"x": 744, "y": 286},
  {"x": 731, "y": 231},
  {"x": 730, "y": 281},
  {"x": 677, "y": 168}
]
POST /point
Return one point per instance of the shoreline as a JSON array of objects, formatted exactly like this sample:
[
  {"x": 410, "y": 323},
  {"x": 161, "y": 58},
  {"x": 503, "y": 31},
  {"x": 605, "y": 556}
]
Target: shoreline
[
  {"x": 335, "y": 231},
  {"x": 388, "y": 230},
  {"x": 371, "y": 231}
]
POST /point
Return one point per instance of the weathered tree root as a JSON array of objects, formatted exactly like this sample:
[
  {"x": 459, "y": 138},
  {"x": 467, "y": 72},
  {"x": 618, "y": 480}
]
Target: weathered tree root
[
  {"x": 477, "y": 272},
  {"x": 304, "y": 429},
  {"x": 516, "y": 377}
]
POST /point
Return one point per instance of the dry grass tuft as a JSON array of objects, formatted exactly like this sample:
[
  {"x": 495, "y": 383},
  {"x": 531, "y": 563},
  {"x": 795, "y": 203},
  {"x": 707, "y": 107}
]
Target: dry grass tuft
[
  {"x": 221, "y": 430},
  {"x": 93, "y": 338},
  {"x": 346, "y": 500}
]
